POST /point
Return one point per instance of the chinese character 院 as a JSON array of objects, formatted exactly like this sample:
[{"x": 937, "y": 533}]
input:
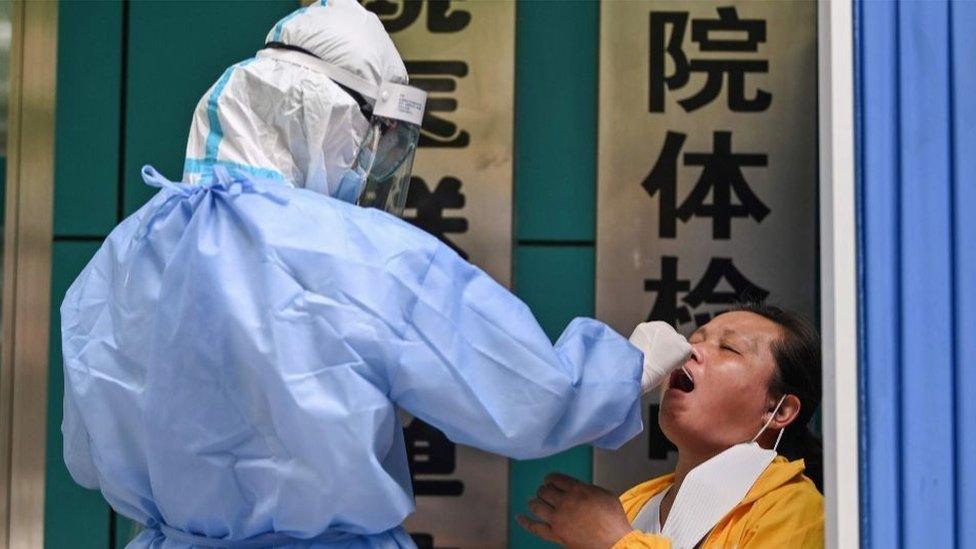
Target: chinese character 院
[
  {"x": 721, "y": 177},
  {"x": 439, "y": 79},
  {"x": 430, "y": 453},
  {"x": 706, "y": 292},
  {"x": 665, "y": 45},
  {"x": 397, "y": 16},
  {"x": 429, "y": 209}
]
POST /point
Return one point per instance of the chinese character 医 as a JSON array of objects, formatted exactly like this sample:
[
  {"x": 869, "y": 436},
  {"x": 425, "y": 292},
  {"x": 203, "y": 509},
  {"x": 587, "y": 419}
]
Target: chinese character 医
[{"x": 439, "y": 78}]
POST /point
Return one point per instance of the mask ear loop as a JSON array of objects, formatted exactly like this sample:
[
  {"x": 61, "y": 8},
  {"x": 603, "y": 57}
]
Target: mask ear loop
[
  {"x": 770, "y": 420},
  {"x": 778, "y": 437}
]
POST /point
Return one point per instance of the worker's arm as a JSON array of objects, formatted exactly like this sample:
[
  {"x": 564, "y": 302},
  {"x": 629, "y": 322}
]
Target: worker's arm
[
  {"x": 77, "y": 448},
  {"x": 76, "y": 440},
  {"x": 475, "y": 363}
]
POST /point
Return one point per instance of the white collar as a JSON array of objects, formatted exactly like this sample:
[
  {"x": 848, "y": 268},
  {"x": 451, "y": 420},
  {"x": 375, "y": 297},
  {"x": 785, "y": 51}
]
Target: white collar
[
  {"x": 708, "y": 493},
  {"x": 648, "y": 520}
]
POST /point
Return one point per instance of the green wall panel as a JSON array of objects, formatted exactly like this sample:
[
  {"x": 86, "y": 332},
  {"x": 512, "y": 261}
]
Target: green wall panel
[
  {"x": 556, "y": 91},
  {"x": 557, "y": 284},
  {"x": 176, "y": 51},
  {"x": 556, "y": 119},
  {"x": 125, "y": 531},
  {"x": 88, "y": 107},
  {"x": 73, "y": 517}
]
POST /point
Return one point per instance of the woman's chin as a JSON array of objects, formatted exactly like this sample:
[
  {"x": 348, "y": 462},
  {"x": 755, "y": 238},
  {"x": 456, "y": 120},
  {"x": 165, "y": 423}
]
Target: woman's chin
[
  {"x": 686, "y": 430},
  {"x": 676, "y": 427}
]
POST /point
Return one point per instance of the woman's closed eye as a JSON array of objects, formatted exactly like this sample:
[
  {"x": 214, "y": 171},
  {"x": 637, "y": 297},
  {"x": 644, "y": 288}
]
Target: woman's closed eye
[{"x": 727, "y": 347}]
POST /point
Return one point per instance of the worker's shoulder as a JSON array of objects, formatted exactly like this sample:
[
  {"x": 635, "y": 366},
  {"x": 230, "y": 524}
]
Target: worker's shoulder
[{"x": 327, "y": 223}]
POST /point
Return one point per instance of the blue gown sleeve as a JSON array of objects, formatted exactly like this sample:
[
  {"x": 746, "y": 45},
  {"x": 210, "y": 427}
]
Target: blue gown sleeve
[
  {"x": 76, "y": 440},
  {"x": 476, "y": 364},
  {"x": 77, "y": 447}
]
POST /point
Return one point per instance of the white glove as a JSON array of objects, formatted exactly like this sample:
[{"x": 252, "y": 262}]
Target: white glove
[{"x": 665, "y": 350}]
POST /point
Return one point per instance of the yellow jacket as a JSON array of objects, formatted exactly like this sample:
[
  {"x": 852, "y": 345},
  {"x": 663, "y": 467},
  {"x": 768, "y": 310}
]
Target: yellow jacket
[{"x": 783, "y": 509}]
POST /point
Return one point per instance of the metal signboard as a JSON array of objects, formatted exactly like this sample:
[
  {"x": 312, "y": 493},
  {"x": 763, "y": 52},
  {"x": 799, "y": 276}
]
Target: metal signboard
[
  {"x": 463, "y": 55},
  {"x": 707, "y": 191}
]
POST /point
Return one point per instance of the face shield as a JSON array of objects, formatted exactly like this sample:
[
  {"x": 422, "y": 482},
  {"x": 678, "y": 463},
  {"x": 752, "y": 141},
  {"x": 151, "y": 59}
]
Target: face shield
[{"x": 380, "y": 175}]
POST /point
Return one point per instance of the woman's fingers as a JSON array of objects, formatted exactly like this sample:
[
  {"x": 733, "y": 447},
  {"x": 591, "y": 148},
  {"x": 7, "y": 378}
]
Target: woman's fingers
[
  {"x": 561, "y": 481},
  {"x": 541, "y": 509},
  {"x": 550, "y": 494},
  {"x": 539, "y": 529}
]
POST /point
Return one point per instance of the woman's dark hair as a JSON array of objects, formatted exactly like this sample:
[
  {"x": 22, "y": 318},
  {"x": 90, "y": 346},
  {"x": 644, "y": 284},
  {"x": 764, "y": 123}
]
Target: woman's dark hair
[{"x": 798, "y": 372}]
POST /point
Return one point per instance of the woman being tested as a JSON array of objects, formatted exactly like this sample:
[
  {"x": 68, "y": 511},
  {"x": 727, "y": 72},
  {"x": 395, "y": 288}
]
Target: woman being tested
[{"x": 738, "y": 412}]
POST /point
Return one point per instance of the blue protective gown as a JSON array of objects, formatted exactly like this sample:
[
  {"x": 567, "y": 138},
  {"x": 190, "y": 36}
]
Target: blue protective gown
[{"x": 234, "y": 353}]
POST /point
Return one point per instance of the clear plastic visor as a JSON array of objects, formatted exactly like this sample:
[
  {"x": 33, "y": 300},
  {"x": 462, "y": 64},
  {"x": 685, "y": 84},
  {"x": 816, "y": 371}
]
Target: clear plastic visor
[{"x": 386, "y": 160}]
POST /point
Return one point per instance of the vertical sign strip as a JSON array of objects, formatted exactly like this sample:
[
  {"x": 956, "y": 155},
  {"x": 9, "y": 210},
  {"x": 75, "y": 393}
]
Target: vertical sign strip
[
  {"x": 463, "y": 55},
  {"x": 707, "y": 191}
]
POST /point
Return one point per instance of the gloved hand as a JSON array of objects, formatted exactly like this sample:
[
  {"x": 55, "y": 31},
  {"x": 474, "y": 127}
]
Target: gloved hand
[{"x": 665, "y": 350}]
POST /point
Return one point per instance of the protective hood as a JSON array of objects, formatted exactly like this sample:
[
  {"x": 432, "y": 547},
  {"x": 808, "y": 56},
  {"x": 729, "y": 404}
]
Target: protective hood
[
  {"x": 345, "y": 35},
  {"x": 281, "y": 120}
]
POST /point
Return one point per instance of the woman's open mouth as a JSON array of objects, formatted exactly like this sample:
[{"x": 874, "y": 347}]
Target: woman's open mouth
[{"x": 681, "y": 380}]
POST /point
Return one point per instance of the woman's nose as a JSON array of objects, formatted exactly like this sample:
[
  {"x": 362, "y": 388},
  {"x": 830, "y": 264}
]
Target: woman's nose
[{"x": 696, "y": 353}]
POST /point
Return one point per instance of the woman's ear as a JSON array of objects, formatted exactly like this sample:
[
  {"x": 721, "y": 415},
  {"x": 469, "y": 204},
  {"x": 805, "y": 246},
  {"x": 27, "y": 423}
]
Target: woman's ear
[{"x": 787, "y": 413}]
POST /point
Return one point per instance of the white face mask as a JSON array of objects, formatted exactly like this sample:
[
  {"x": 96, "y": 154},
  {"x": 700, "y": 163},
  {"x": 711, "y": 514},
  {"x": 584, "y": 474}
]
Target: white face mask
[{"x": 714, "y": 488}]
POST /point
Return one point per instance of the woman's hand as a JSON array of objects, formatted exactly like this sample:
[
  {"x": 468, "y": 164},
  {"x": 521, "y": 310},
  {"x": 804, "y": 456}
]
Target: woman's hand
[{"x": 575, "y": 514}]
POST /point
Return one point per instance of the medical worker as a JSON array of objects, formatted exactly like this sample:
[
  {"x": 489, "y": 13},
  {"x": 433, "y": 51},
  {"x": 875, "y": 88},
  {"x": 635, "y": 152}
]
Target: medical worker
[{"x": 236, "y": 350}]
